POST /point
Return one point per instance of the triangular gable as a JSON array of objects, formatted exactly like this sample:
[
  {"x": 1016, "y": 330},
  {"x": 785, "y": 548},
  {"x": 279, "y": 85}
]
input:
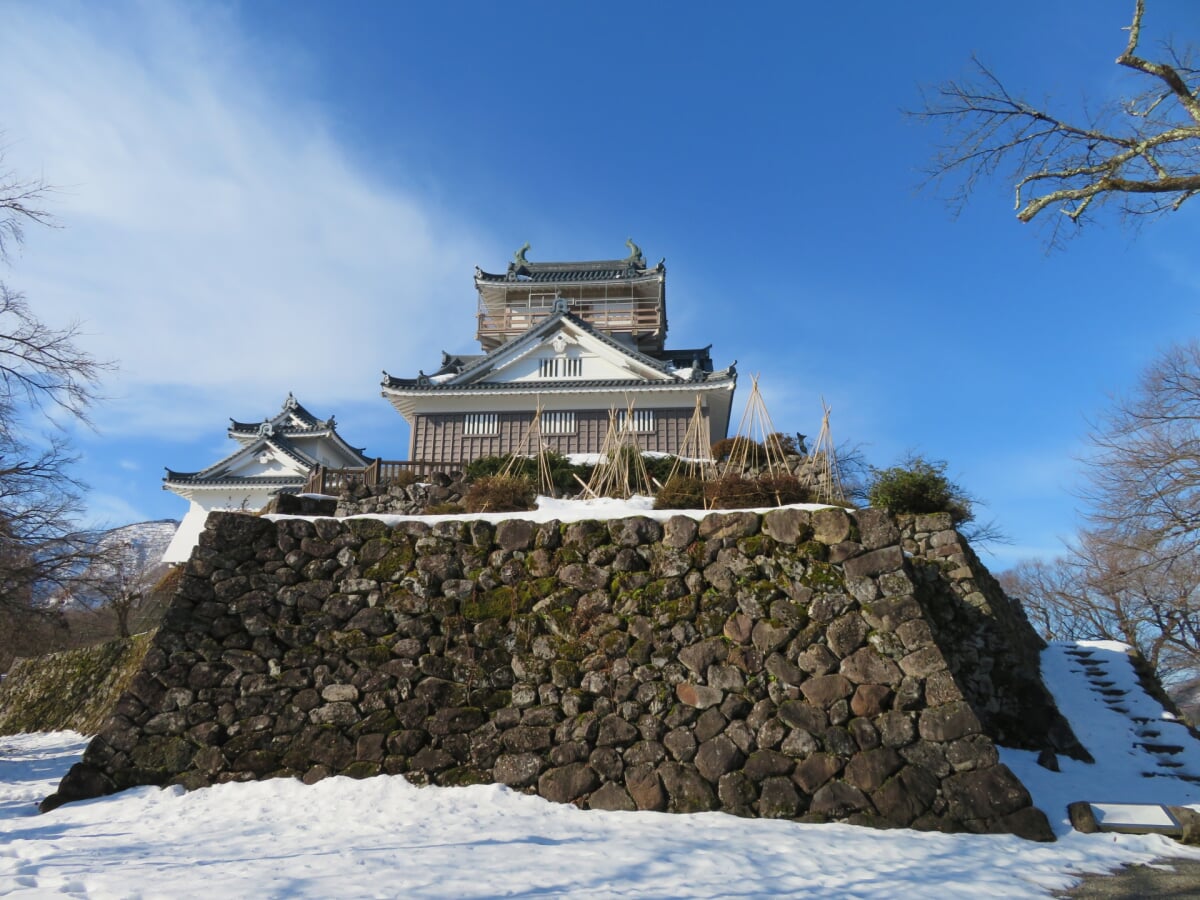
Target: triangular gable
[
  {"x": 264, "y": 457},
  {"x": 565, "y": 336}
]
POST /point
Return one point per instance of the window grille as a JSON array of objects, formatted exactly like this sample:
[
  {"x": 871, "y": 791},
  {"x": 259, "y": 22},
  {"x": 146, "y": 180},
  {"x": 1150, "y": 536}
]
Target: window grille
[
  {"x": 475, "y": 424},
  {"x": 558, "y": 423},
  {"x": 567, "y": 367},
  {"x": 643, "y": 420}
]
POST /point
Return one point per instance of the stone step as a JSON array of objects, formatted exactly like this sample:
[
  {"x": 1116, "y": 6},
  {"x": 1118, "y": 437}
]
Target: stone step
[
  {"x": 1112, "y": 692},
  {"x": 1178, "y": 776},
  {"x": 1168, "y": 749}
]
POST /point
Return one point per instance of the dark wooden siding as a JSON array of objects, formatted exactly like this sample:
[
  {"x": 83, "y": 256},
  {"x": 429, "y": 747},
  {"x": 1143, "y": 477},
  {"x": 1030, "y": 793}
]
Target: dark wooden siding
[{"x": 439, "y": 437}]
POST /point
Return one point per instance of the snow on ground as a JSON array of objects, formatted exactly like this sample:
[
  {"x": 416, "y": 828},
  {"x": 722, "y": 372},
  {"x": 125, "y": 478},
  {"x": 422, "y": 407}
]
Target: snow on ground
[
  {"x": 549, "y": 509},
  {"x": 382, "y": 837}
]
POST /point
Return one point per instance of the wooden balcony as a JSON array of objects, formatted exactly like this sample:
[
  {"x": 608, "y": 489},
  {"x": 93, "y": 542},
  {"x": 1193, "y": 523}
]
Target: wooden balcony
[
  {"x": 331, "y": 481},
  {"x": 642, "y": 318}
]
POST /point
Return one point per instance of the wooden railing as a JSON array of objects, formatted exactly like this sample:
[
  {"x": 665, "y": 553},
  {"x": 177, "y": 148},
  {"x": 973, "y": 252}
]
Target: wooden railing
[
  {"x": 644, "y": 316},
  {"x": 322, "y": 480}
]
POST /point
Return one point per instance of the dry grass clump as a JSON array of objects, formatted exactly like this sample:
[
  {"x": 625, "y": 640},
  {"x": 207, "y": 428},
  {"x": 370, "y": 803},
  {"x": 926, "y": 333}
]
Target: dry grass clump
[{"x": 403, "y": 478}]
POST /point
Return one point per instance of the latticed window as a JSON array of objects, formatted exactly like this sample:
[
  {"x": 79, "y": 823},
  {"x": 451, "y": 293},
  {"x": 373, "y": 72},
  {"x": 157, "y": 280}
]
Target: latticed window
[
  {"x": 643, "y": 420},
  {"x": 553, "y": 367},
  {"x": 475, "y": 424},
  {"x": 558, "y": 423}
]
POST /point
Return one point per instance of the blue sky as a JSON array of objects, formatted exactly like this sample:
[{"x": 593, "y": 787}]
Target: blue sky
[{"x": 264, "y": 197}]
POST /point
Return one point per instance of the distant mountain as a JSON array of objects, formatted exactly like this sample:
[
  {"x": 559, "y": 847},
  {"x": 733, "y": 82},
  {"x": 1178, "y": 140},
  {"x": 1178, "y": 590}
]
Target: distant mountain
[{"x": 130, "y": 555}]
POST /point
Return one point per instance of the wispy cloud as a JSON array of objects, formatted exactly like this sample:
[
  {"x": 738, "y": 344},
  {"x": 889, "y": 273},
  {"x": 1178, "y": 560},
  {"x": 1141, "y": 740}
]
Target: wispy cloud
[
  {"x": 106, "y": 510},
  {"x": 217, "y": 242}
]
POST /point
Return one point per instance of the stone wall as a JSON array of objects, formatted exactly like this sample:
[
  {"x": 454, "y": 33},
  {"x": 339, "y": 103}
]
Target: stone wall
[
  {"x": 401, "y": 499},
  {"x": 780, "y": 665},
  {"x": 73, "y": 690},
  {"x": 989, "y": 646}
]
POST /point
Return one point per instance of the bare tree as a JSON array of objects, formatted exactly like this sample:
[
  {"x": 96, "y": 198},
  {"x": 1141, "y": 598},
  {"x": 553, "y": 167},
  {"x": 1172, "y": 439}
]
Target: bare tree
[
  {"x": 1102, "y": 590},
  {"x": 1145, "y": 474},
  {"x": 1141, "y": 152},
  {"x": 42, "y": 370},
  {"x": 1133, "y": 574}
]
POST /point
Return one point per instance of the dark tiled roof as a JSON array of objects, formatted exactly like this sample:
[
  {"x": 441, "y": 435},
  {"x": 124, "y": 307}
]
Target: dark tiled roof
[
  {"x": 684, "y": 359},
  {"x": 252, "y": 428},
  {"x": 557, "y": 385},
  {"x": 558, "y": 272},
  {"x": 197, "y": 478},
  {"x": 291, "y": 407}
]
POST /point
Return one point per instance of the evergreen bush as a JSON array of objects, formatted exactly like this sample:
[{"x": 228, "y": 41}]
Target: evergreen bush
[{"x": 919, "y": 486}]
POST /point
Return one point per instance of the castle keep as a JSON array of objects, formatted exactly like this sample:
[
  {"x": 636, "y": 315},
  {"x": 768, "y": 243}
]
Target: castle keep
[{"x": 575, "y": 341}]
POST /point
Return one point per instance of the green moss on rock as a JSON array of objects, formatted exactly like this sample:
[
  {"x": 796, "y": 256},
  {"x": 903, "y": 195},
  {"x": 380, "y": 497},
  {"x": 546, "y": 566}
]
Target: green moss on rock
[
  {"x": 395, "y": 563},
  {"x": 74, "y": 690}
]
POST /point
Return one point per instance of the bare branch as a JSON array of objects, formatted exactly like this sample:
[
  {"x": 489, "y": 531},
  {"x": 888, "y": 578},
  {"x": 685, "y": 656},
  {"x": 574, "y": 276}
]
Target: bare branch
[
  {"x": 40, "y": 364},
  {"x": 20, "y": 204},
  {"x": 1141, "y": 152}
]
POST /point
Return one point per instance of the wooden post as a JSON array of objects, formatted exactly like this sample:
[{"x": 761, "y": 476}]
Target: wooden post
[{"x": 316, "y": 480}]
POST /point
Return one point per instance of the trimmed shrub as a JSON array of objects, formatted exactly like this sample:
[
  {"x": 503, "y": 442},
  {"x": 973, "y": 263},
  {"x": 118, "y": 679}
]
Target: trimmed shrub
[
  {"x": 737, "y": 447},
  {"x": 919, "y": 486},
  {"x": 736, "y": 492},
  {"x": 562, "y": 471},
  {"x": 785, "y": 489},
  {"x": 500, "y": 493},
  {"x": 785, "y": 444},
  {"x": 659, "y": 467},
  {"x": 680, "y": 492}
]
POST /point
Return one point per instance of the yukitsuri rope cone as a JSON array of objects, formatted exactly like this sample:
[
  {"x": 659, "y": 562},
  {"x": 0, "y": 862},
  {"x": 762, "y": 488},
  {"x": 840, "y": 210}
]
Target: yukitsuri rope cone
[
  {"x": 695, "y": 459},
  {"x": 828, "y": 487},
  {"x": 754, "y": 430},
  {"x": 621, "y": 472},
  {"x": 532, "y": 445}
]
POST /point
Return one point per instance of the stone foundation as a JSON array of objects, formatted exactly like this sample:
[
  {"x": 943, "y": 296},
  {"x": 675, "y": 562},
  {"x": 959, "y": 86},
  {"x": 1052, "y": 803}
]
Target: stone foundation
[{"x": 788, "y": 664}]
